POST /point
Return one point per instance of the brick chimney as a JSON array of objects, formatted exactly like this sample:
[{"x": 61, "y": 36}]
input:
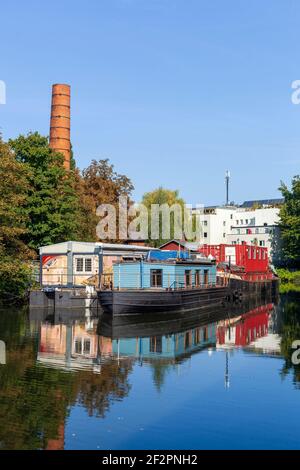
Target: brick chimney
[{"x": 60, "y": 123}]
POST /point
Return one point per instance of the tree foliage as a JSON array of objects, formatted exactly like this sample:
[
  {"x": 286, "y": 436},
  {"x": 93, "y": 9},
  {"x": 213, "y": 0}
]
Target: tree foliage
[
  {"x": 51, "y": 203},
  {"x": 13, "y": 192},
  {"x": 99, "y": 184},
  {"x": 162, "y": 196},
  {"x": 290, "y": 222},
  {"x": 14, "y": 270}
]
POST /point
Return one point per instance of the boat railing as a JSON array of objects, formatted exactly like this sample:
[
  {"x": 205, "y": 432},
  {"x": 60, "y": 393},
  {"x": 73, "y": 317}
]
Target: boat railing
[{"x": 152, "y": 282}]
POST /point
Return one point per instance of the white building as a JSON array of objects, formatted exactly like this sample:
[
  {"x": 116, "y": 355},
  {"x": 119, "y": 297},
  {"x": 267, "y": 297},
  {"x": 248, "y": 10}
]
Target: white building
[
  {"x": 215, "y": 224},
  {"x": 253, "y": 223}
]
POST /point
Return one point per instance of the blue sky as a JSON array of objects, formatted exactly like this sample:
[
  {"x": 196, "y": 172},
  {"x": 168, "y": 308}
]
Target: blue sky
[{"x": 172, "y": 91}]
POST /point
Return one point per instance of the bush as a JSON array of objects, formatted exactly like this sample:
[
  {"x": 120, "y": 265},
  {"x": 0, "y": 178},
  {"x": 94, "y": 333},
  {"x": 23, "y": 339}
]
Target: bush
[
  {"x": 289, "y": 281},
  {"x": 15, "y": 278}
]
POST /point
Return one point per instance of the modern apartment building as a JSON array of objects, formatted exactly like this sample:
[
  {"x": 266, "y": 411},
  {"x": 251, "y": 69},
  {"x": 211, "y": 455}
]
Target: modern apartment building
[{"x": 253, "y": 223}]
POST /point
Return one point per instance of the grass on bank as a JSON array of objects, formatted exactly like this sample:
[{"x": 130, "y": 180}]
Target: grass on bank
[{"x": 289, "y": 281}]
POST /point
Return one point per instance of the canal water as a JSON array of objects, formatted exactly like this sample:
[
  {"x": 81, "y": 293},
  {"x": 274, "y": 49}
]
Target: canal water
[{"x": 221, "y": 380}]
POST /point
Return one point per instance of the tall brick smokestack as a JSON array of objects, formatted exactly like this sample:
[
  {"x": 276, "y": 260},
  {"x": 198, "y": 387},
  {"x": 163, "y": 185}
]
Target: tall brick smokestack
[{"x": 60, "y": 123}]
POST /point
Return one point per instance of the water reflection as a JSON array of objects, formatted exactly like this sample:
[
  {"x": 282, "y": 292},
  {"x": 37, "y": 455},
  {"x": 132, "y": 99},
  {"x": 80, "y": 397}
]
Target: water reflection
[
  {"x": 55, "y": 362},
  {"x": 85, "y": 345}
]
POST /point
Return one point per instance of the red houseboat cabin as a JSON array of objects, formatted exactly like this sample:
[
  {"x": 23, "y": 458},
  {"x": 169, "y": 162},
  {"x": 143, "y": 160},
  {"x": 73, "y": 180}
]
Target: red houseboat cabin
[{"x": 249, "y": 262}]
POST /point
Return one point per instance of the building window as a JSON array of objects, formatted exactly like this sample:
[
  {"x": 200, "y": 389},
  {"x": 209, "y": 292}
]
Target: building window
[
  {"x": 241, "y": 221},
  {"x": 205, "y": 234},
  {"x": 86, "y": 346},
  {"x": 156, "y": 277},
  {"x": 224, "y": 235},
  {"x": 247, "y": 221},
  {"x": 224, "y": 223},
  {"x": 261, "y": 243},
  {"x": 231, "y": 216},
  {"x": 82, "y": 346},
  {"x": 205, "y": 222},
  {"x": 237, "y": 222},
  {"x": 83, "y": 265}
]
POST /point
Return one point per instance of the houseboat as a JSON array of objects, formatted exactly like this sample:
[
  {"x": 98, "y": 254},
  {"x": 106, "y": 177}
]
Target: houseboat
[
  {"x": 244, "y": 268},
  {"x": 166, "y": 285}
]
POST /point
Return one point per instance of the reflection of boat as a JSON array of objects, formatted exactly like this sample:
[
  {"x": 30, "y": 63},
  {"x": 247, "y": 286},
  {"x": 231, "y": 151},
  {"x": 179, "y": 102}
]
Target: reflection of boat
[
  {"x": 239, "y": 327},
  {"x": 90, "y": 342},
  {"x": 138, "y": 325}
]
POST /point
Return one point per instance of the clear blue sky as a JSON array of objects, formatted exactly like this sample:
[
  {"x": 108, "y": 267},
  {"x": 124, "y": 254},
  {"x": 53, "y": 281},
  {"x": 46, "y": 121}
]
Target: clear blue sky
[{"x": 172, "y": 91}]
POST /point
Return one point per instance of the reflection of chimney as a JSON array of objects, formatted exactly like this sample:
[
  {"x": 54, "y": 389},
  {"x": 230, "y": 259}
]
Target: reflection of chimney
[{"x": 60, "y": 122}]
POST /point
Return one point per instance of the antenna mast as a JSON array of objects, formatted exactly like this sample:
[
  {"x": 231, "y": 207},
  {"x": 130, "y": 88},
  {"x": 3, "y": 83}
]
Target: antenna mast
[{"x": 227, "y": 178}]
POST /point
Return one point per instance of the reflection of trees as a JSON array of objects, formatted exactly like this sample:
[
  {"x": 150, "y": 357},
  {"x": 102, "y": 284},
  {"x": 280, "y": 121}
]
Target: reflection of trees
[
  {"x": 96, "y": 392},
  {"x": 160, "y": 369},
  {"x": 290, "y": 332},
  {"x": 35, "y": 400}
]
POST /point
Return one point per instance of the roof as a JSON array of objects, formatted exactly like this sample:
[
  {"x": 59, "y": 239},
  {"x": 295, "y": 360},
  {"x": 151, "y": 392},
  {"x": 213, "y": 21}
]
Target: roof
[
  {"x": 263, "y": 202},
  {"x": 90, "y": 247},
  {"x": 192, "y": 246}
]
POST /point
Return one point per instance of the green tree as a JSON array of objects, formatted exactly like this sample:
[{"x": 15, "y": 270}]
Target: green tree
[
  {"x": 290, "y": 222},
  {"x": 13, "y": 193},
  {"x": 52, "y": 203},
  {"x": 14, "y": 270},
  {"x": 169, "y": 197}
]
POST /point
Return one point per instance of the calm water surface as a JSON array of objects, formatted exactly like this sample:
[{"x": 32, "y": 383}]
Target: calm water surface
[{"x": 76, "y": 381}]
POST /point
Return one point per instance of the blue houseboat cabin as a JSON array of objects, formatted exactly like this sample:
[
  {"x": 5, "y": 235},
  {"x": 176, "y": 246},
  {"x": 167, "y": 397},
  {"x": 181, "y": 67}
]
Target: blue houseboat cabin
[
  {"x": 167, "y": 274},
  {"x": 162, "y": 284}
]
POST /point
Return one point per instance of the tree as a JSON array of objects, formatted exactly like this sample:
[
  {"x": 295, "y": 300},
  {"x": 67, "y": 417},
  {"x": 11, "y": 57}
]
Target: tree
[
  {"x": 99, "y": 184},
  {"x": 169, "y": 197},
  {"x": 290, "y": 222},
  {"x": 14, "y": 270},
  {"x": 13, "y": 193},
  {"x": 51, "y": 204}
]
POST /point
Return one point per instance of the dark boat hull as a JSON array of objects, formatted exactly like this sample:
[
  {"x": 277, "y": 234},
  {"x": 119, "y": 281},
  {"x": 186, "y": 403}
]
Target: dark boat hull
[{"x": 138, "y": 302}]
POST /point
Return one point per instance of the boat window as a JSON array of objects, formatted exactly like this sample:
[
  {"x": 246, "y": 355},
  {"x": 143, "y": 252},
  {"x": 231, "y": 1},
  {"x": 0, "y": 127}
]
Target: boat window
[
  {"x": 188, "y": 277},
  {"x": 197, "y": 277},
  {"x": 187, "y": 340},
  {"x": 156, "y": 277},
  {"x": 156, "y": 344}
]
